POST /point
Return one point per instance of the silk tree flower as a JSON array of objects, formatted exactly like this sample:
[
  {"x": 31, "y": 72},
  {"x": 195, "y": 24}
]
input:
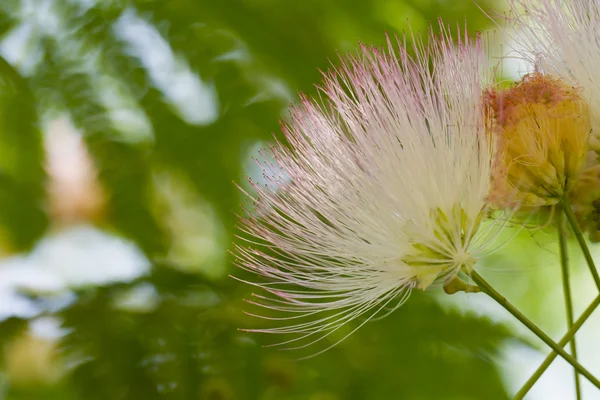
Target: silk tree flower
[
  {"x": 543, "y": 127},
  {"x": 381, "y": 190},
  {"x": 562, "y": 38}
]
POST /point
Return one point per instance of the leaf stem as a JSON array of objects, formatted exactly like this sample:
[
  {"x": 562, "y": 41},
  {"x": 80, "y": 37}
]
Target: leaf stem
[
  {"x": 564, "y": 263},
  {"x": 490, "y": 291},
  {"x": 568, "y": 210},
  {"x": 562, "y": 342}
]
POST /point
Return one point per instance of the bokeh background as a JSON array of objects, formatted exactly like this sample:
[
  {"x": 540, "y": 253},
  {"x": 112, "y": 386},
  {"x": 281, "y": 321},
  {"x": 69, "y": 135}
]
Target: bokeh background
[{"x": 123, "y": 127}]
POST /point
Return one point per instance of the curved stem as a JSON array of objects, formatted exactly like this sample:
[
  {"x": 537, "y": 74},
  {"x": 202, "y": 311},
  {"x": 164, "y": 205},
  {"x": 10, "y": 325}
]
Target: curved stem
[
  {"x": 564, "y": 263},
  {"x": 490, "y": 291},
  {"x": 562, "y": 342},
  {"x": 568, "y": 210}
]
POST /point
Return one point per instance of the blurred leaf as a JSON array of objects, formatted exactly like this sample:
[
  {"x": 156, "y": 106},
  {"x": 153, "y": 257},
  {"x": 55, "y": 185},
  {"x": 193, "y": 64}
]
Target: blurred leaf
[
  {"x": 9, "y": 329},
  {"x": 123, "y": 168},
  {"x": 189, "y": 345},
  {"x": 22, "y": 176}
]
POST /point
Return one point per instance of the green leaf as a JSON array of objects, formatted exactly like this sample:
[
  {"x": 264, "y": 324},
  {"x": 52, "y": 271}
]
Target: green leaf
[{"x": 22, "y": 176}]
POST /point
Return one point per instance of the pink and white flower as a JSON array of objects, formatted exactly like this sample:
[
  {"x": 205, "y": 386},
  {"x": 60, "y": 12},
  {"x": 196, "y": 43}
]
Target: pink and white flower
[{"x": 381, "y": 188}]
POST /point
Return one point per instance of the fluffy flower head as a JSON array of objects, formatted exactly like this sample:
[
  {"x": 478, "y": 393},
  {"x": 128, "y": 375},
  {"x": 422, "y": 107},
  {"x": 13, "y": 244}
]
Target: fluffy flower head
[
  {"x": 562, "y": 38},
  {"x": 381, "y": 190}
]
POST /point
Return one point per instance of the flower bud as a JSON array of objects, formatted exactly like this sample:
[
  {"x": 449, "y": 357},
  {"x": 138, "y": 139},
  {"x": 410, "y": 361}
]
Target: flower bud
[{"x": 542, "y": 128}]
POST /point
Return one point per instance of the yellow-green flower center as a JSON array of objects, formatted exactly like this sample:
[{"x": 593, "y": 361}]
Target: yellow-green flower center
[{"x": 446, "y": 252}]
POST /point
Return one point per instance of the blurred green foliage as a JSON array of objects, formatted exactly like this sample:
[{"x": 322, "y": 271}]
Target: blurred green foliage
[{"x": 185, "y": 345}]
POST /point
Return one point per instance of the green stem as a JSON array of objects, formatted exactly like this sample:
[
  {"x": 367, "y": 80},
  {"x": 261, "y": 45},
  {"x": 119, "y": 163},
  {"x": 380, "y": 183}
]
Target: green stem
[
  {"x": 568, "y": 210},
  {"x": 562, "y": 342},
  {"x": 490, "y": 291},
  {"x": 564, "y": 263}
]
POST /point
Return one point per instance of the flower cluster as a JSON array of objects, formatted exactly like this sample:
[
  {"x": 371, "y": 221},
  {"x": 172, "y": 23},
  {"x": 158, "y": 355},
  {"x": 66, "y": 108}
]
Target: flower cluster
[
  {"x": 562, "y": 38},
  {"x": 402, "y": 177}
]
